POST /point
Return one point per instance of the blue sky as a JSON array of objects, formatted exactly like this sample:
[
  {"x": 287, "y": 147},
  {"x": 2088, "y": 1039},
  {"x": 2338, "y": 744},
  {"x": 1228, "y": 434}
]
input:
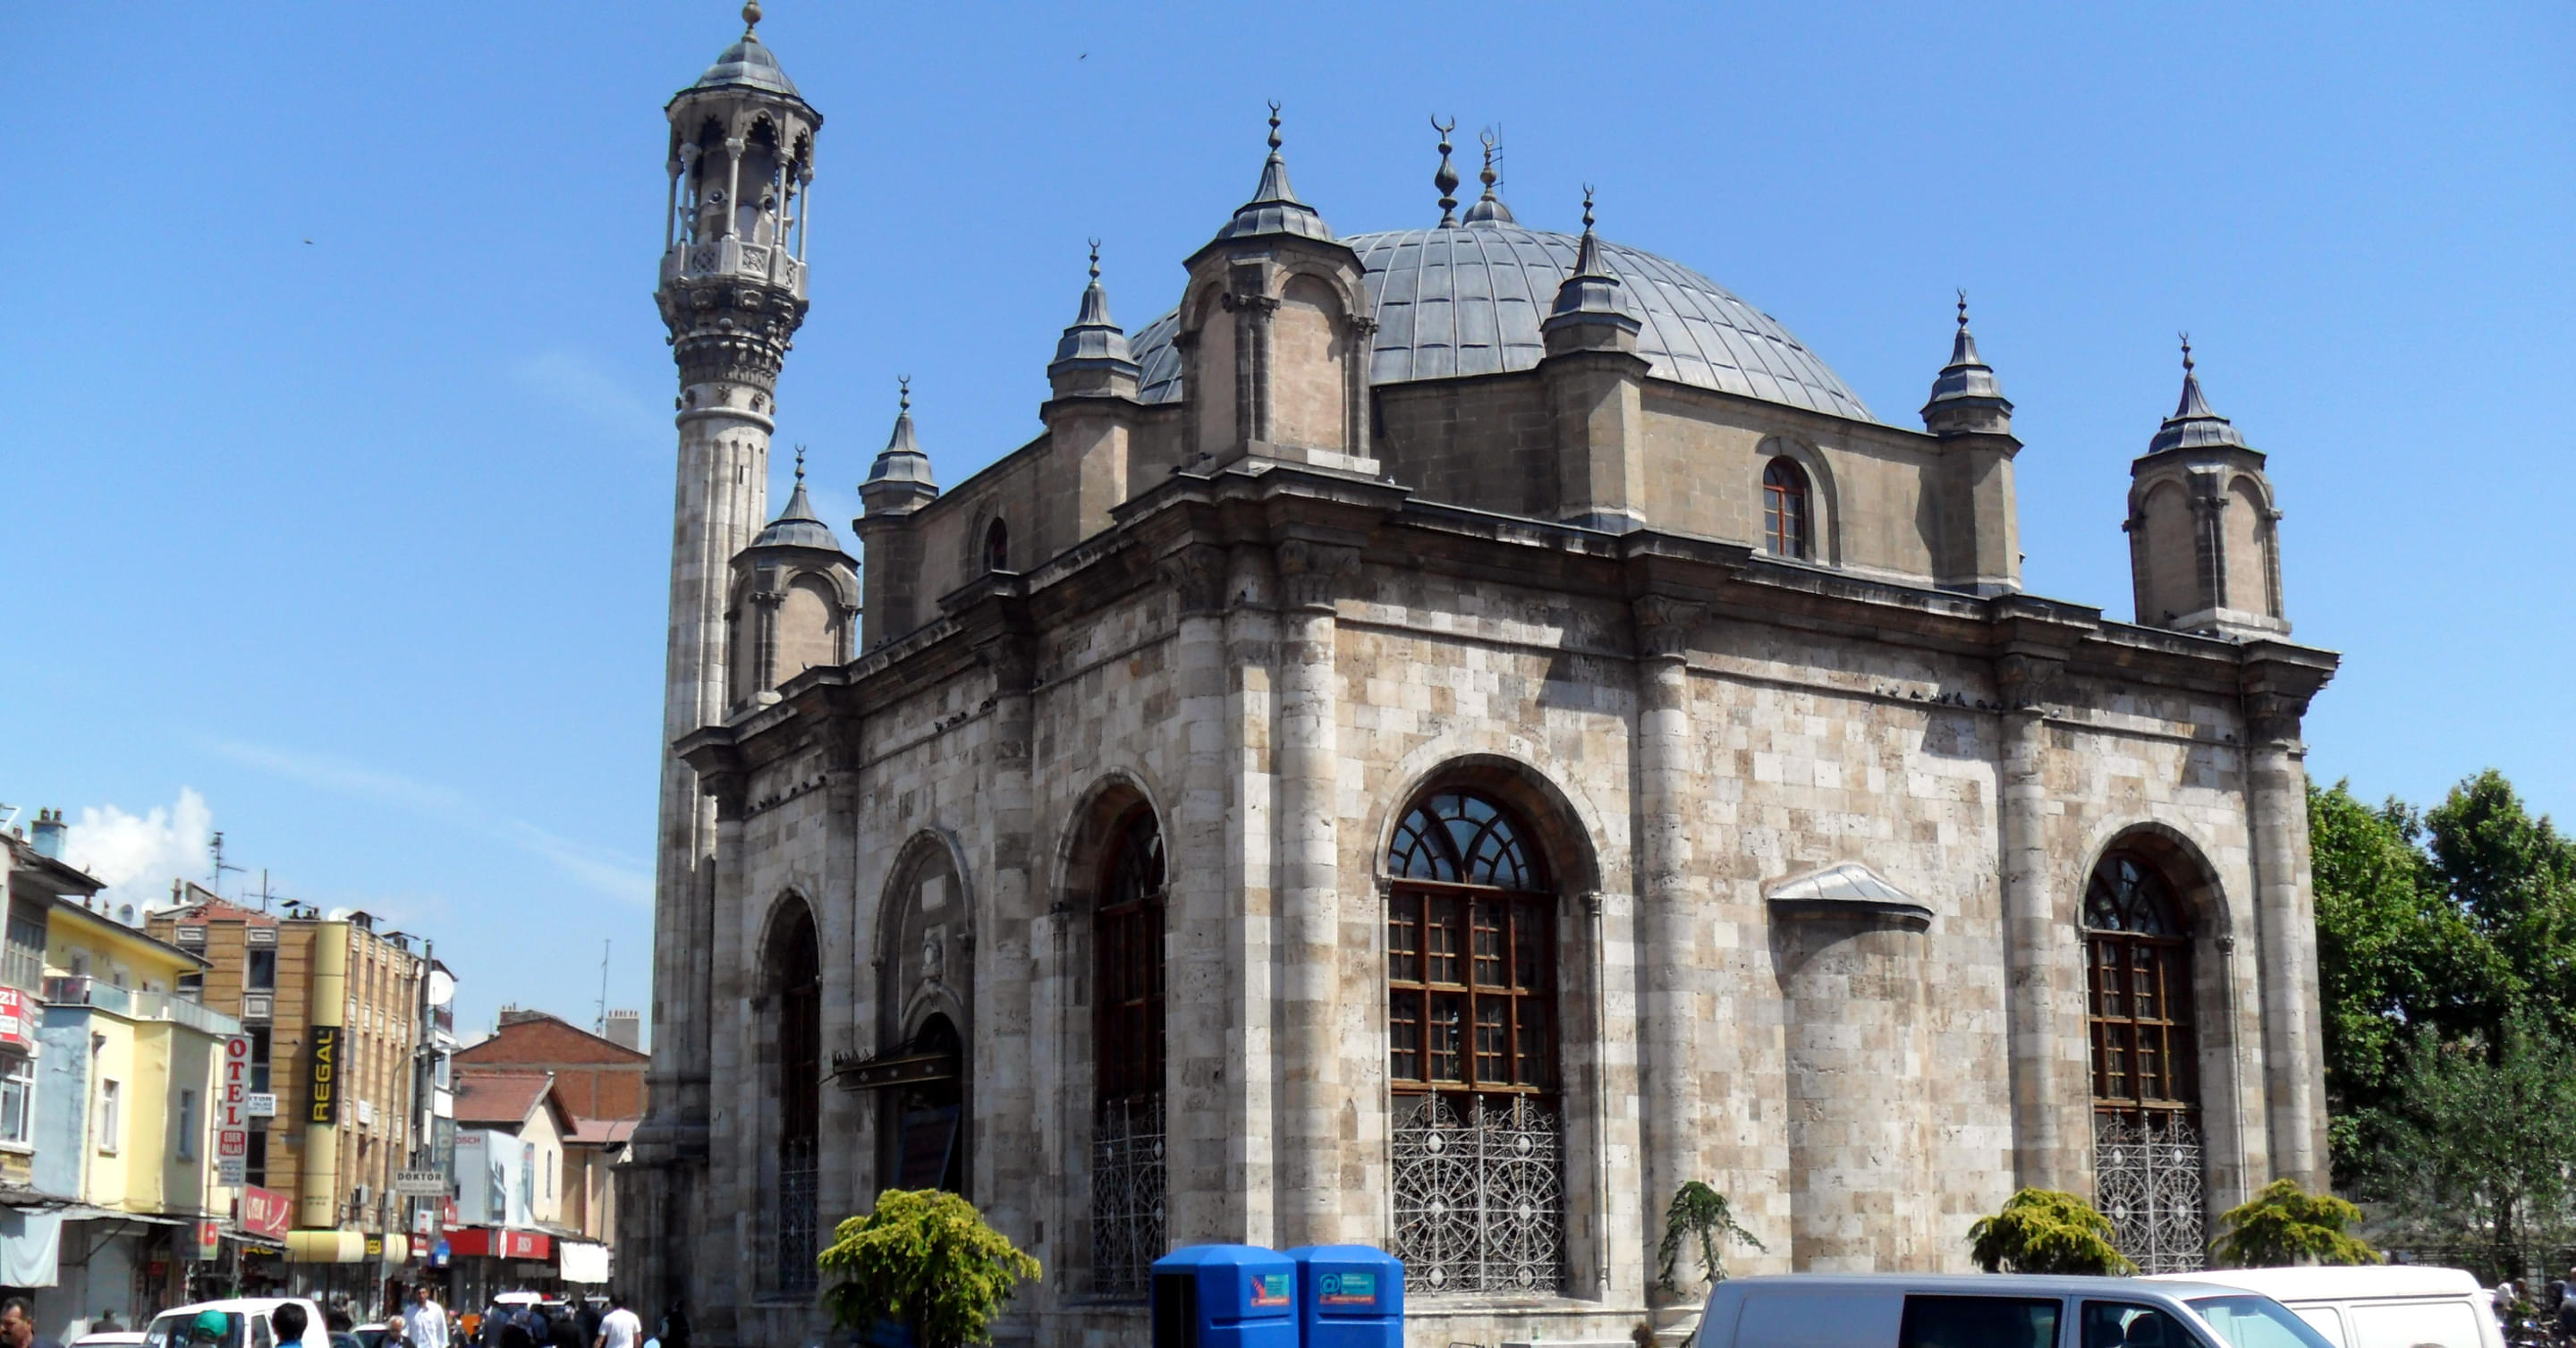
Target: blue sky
[{"x": 339, "y": 454}]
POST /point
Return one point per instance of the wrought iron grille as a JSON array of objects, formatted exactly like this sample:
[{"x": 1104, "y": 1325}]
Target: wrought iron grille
[
  {"x": 1126, "y": 1194},
  {"x": 1479, "y": 1201},
  {"x": 2148, "y": 1179},
  {"x": 797, "y": 1203}
]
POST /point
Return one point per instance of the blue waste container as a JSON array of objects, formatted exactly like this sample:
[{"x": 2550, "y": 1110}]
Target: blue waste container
[
  {"x": 1349, "y": 1296},
  {"x": 1225, "y": 1296}
]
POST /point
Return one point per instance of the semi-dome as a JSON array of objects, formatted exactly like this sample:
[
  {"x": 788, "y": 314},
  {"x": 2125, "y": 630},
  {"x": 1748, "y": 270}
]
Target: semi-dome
[{"x": 1469, "y": 300}]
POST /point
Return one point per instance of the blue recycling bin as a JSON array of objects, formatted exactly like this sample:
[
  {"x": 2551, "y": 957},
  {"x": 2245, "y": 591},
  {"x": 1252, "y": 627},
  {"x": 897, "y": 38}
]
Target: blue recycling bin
[
  {"x": 1349, "y": 1296},
  {"x": 1225, "y": 1296}
]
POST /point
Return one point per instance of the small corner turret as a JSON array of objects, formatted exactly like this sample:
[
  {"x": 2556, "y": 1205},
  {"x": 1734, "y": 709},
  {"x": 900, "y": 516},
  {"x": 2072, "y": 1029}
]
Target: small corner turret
[
  {"x": 793, "y": 603},
  {"x": 1596, "y": 391},
  {"x": 1980, "y": 549},
  {"x": 1091, "y": 420},
  {"x": 2204, "y": 546},
  {"x": 899, "y": 483},
  {"x": 1274, "y": 336}
]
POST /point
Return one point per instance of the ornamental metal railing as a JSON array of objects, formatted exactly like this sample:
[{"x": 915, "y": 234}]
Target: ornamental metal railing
[
  {"x": 2148, "y": 1178},
  {"x": 1127, "y": 1187},
  {"x": 1480, "y": 1197},
  {"x": 798, "y": 1199}
]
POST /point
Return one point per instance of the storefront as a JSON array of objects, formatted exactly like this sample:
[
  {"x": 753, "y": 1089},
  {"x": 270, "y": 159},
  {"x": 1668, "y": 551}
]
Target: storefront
[{"x": 484, "y": 1261}]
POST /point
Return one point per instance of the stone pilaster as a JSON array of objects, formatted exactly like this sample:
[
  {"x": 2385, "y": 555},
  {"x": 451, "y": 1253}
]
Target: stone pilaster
[
  {"x": 1198, "y": 1071},
  {"x": 1667, "y": 907},
  {"x": 1309, "y": 924},
  {"x": 1251, "y": 940},
  {"x": 1005, "y": 1103},
  {"x": 2293, "y": 1061},
  {"x": 2047, "y": 1044}
]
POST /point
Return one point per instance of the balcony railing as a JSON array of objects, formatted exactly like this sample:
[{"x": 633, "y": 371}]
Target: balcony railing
[{"x": 163, "y": 1006}]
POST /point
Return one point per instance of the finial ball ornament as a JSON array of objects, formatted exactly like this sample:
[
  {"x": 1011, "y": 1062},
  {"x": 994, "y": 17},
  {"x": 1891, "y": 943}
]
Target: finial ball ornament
[{"x": 750, "y": 16}]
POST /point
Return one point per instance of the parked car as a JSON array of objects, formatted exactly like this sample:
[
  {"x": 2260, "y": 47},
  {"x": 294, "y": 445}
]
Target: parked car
[
  {"x": 2377, "y": 1305},
  {"x": 1955, "y": 1310},
  {"x": 114, "y": 1338},
  {"x": 372, "y": 1335},
  {"x": 247, "y": 1324}
]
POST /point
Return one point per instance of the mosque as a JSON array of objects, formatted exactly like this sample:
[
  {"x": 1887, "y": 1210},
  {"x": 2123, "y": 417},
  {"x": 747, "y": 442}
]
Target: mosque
[{"x": 1443, "y": 737}]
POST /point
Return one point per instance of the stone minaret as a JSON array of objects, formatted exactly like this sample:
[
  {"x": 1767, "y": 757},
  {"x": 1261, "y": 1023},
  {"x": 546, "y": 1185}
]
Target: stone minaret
[{"x": 732, "y": 293}]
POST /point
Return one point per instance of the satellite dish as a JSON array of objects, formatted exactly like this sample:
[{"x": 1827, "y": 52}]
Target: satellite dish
[{"x": 442, "y": 987}]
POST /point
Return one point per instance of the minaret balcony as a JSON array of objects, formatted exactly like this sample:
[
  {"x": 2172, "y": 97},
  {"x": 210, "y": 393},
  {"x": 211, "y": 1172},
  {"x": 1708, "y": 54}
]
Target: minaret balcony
[{"x": 734, "y": 257}]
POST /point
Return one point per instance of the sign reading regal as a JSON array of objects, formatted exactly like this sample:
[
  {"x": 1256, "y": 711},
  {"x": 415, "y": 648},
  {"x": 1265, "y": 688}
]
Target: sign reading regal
[{"x": 322, "y": 1077}]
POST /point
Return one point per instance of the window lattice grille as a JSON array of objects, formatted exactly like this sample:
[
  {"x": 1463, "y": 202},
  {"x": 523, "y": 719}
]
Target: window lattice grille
[
  {"x": 1126, "y": 1194},
  {"x": 1479, "y": 1197}
]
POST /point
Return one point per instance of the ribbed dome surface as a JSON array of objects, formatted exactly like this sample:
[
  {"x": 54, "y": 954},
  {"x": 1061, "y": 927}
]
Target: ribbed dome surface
[
  {"x": 1469, "y": 300},
  {"x": 748, "y": 65}
]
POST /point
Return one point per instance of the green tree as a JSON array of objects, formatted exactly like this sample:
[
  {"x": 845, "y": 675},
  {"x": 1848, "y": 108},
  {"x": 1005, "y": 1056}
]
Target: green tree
[
  {"x": 1698, "y": 1210},
  {"x": 2046, "y": 1231},
  {"x": 2283, "y": 1225},
  {"x": 2512, "y": 878},
  {"x": 926, "y": 1259},
  {"x": 2477, "y": 1144}
]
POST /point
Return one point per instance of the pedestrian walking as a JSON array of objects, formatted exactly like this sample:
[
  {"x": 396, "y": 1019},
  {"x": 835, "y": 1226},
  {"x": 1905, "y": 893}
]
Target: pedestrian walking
[
  {"x": 106, "y": 1323},
  {"x": 424, "y": 1321},
  {"x": 619, "y": 1328},
  {"x": 2567, "y": 1306}
]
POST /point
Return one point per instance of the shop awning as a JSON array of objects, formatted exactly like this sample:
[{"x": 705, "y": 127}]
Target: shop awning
[
  {"x": 582, "y": 1261},
  {"x": 325, "y": 1247}
]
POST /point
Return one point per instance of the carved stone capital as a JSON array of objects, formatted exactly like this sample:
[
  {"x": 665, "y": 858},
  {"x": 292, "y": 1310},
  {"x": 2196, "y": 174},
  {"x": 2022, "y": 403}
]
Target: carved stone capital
[
  {"x": 1256, "y": 305},
  {"x": 2274, "y": 717},
  {"x": 1012, "y": 658},
  {"x": 2027, "y": 682},
  {"x": 1196, "y": 574},
  {"x": 1665, "y": 625},
  {"x": 1311, "y": 573}
]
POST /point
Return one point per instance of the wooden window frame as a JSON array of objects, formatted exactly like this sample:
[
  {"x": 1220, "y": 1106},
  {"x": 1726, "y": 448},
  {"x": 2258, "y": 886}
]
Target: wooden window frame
[
  {"x": 1492, "y": 983},
  {"x": 1129, "y": 1023},
  {"x": 2141, "y": 1020},
  {"x": 1788, "y": 509}
]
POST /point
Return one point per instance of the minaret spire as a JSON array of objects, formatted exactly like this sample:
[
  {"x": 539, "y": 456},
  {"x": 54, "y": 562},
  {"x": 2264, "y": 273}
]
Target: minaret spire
[
  {"x": 1092, "y": 358},
  {"x": 2193, "y": 425}
]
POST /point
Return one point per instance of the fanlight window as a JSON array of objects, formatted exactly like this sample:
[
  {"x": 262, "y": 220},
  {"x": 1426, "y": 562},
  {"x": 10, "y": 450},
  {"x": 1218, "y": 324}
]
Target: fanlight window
[
  {"x": 2146, "y": 1090},
  {"x": 1785, "y": 512},
  {"x": 1456, "y": 838},
  {"x": 1471, "y": 1052}
]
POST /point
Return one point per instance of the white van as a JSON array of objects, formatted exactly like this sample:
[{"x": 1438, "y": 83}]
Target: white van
[
  {"x": 246, "y": 1324},
  {"x": 2377, "y": 1305},
  {"x": 1991, "y": 1310}
]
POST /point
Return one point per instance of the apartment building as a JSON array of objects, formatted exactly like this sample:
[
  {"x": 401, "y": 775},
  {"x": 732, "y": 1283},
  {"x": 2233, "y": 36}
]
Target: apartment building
[{"x": 334, "y": 1009}]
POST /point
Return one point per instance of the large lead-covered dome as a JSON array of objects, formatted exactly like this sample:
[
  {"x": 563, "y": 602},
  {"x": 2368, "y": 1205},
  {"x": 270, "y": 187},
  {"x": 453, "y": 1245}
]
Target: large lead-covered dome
[{"x": 1468, "y": 299}]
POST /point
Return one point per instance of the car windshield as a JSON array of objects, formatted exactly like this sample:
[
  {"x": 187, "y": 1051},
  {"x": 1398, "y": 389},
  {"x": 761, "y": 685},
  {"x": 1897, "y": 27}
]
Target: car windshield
[{"x": 2258, "y": 1322}]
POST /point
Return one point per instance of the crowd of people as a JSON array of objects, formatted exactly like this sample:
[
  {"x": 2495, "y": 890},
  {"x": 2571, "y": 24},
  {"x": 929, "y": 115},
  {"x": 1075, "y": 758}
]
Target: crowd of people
[
  {"x": 2553, "y": 1312},
  {"x": 532, "y": 1322}
]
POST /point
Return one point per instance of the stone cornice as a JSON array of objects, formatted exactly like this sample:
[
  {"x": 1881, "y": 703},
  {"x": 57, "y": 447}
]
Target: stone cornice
[{"x": 2048, "y": 648}]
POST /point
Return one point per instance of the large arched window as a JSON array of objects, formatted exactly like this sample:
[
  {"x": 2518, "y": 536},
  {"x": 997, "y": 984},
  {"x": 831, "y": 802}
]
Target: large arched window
[
  {"x": 1787, "y": 510},
  {"x": 1471, "y": 1051},
  {"x": 1127, "y": 1053},
  {"x": 2148, "y": 1176},
  {"x": 796, "y": 981}
]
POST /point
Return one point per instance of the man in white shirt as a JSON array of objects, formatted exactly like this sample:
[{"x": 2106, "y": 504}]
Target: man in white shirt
[
  {"x": 424, "y": 1321},
  {"x": 619, "y": 1328}
]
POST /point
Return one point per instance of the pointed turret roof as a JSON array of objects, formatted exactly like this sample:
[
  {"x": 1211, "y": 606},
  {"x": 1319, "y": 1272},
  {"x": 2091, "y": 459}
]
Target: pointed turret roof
[
  {"x": 1274, "y": 208},
  {"x": 1967, "y": 376},
  {"x": 1095, "y": 339},
  {"x": 797, "y": 526},
  {"x": 901, "y": 474},
  {"x": 1592, "y": 288},
  {"x": 2193, "y": 425}
]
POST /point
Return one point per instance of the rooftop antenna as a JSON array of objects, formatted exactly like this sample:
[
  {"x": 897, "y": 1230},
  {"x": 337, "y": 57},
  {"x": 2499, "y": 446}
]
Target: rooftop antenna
[
  {"x": 1494, "y": 157},
  {"x": 265, "y": 893},
  {"x": 216, "y": 879},
  {"x": 599, "y": 1025}
]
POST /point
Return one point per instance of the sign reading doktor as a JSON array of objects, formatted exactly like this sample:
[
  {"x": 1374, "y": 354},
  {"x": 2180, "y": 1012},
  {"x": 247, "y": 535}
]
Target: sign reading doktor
[{"x": 322, "y": 1077}]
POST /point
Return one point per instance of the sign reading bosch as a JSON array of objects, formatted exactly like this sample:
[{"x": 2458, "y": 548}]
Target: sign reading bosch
[{"x": 322, "y": 1077}]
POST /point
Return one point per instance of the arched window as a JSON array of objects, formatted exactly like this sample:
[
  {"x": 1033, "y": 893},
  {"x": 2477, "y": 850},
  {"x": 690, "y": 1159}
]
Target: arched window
[
  {"x": 1127, "y": 1053},
  {"x": 2146, "y": 1092},
  {"x": 796, "y": 979},
  {"x": 1471, "y": 1051},
  {"x": 1785, "y": 509},
  {"x": 997, "y": 546}
]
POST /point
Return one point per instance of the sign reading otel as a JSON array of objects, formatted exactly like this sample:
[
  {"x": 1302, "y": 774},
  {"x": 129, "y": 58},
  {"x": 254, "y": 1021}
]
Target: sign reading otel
[
  {"x": 232, "y": 1128},
  {"x": 322, "y": 1078}
]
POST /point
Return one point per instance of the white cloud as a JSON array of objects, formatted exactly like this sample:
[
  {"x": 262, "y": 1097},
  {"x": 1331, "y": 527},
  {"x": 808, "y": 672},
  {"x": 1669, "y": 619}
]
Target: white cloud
[
  {"x": 580, "y": 385},
  {"x": 139, "y": 855},
  {"x": 593, "y": 868}
]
